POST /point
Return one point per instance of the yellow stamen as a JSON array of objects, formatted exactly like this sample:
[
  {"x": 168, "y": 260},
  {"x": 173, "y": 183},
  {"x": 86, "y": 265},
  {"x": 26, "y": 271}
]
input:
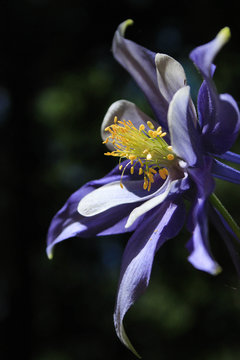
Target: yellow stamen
[
  {"x": 163, "y": 134},
  {"x": 170, "y": 156},
  {"x": 147, "y": 147},
  {"x": 150, "y": 124},
  {"x": 162, "y": 173}
]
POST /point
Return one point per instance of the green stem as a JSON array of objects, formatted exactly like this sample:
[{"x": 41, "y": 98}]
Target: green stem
[{"x": 223, "y": 211}]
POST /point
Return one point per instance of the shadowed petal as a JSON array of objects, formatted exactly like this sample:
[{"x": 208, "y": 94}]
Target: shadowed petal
[
  {"x": 218, "y": 114},
  {"x": 170, "y": 186},
  {"x": 183, "y": 133},
  {"x": 170, "y": 74},
  {"x": 225, "y": 172},
  {"x": 112, "y": 194},
  {"x": 162, "y": 224},
  {"x": 204, "y": 55},
  {"x": 127, "y": 110},
  {"x": 201, "y": 257},
  {"x": 230, "y": 156},
  {"x": 69, "y": 223},
  {"x": 140, "y": 63}
]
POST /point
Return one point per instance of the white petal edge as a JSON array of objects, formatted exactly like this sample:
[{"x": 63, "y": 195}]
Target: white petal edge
[
  {"x": 170, "y": 74},
  {"x": 150, "y": 204},
  {"x": 111, "y": 195}
]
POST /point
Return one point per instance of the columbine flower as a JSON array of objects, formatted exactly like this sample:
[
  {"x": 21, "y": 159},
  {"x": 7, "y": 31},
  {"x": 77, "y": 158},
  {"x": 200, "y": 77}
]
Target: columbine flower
[{"x": 162, "y": 163}]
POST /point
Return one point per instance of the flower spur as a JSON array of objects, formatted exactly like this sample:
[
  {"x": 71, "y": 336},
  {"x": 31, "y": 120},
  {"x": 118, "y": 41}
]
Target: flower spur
[{"x": 162, "y": 164}]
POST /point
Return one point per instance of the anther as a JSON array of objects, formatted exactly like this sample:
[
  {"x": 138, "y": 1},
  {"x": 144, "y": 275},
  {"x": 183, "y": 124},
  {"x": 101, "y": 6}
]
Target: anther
[
  {"x": 163, "y": 134},
  {"x": 115, "y": 119},
  {"x": 140, "y": 171},
  {"x": 132, "y": 170},
  {"x": 150, "y": 124},
  {"x": 141, "y": 127},
  {"x": 170, "y": 156}
]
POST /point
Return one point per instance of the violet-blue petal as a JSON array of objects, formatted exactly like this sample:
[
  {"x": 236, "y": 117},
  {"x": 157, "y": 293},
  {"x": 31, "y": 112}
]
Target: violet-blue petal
[
  {"x": 225, "y": 172},
  {"x": 218, "y": 115},
  {"x": 174, "y": 186},
  {"x": 140, "y": 63},
  {"x": 230, "y": 156},
  {"x": 69, "y": 223},
  {"x": 198, "y": 246},
  {"x": 185, "y": 137},
  {"x": 219, "y": 119},
  {"x": 160, "y": 225},
  {"x": 203, "y": 55}
]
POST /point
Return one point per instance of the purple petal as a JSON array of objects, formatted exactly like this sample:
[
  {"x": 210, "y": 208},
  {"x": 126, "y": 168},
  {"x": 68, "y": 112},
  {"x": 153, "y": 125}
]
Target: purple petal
[
  {"x": 201, "y": 257},
  {"x": 140, "y": 63},
  {"x": 183, "y": 133},
  {"x": 230, "y": 156},
  {"x": 112, "y": 194},
  {"x": 69, "y": 223},
  {"x": 170, "y": 186},
  {"x": 218, "y": 115},
  {"x": 160, "y": 225},
  {"x": 225, "y": 172},
  {"x": 204, "y": 55}
]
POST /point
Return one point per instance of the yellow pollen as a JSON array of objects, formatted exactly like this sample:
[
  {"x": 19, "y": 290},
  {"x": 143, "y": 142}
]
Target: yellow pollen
[
  {"x": 162, "y": 173},
  {"x": 170, "y": 156},
  {"x": 163, "y": 134},
  {"x": 145, "y": 184},
  {"x": 138, "y": 145},
  {"x": 150, "y": 124}
]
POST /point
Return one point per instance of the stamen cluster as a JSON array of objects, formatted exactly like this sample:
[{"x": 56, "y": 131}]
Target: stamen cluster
[{"x": 141, "y": 146}]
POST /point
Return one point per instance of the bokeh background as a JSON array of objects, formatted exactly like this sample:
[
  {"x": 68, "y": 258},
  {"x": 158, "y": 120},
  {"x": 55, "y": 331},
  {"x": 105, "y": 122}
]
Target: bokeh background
[{"x": 57, "y": 79}]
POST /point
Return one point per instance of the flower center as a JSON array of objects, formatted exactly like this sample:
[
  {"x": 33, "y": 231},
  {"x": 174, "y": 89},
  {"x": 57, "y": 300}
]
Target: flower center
[{"x": 146, "y": 148}]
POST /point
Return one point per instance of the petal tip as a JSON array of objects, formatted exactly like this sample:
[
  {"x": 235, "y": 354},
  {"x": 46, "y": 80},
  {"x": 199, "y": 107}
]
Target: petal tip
[
  {"x": 49, "y": 253},
  {"x": 124, "y": 25},
  {"x": 225, "y": 34}
]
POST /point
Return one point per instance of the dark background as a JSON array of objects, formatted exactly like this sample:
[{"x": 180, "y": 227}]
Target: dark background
[{"x": 57, "y": 79}]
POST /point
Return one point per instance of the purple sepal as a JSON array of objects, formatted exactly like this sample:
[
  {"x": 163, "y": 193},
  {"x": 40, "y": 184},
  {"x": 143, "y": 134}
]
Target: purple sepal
[
  {"x": 225, "y": 172},
  {"x": 140, "y": 63},
  {"x": 161, "y": 224},
  {"x": 200, "y": 254}
]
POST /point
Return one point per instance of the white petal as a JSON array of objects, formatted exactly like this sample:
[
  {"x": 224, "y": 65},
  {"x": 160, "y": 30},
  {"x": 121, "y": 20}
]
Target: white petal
[
  {"x": 111, "y": 195},
  {"x": 150, "y": 204},
  {"x": 127, "y": 110},
  {"x": 170, "y": 74}
]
